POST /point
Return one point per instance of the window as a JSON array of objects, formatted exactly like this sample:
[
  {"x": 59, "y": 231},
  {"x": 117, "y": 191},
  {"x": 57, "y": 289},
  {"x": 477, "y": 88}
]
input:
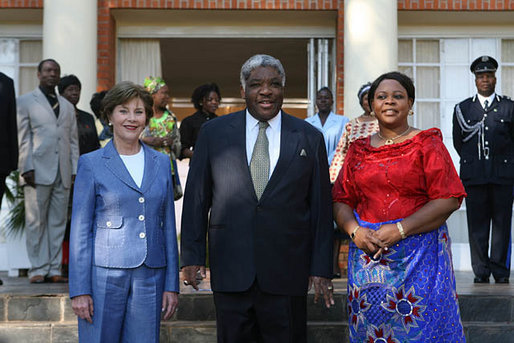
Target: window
[
  {"x": 420, "y": 59},
  {"x": 18, "y": 60}
]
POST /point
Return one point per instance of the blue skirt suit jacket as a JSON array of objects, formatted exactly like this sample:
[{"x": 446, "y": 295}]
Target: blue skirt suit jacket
[{"x": 116, "y": 224}]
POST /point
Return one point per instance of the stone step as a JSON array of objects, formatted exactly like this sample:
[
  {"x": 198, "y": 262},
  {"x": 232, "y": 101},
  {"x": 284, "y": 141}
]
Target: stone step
[
  {"x": 200, "y": 307},
  {"x": 205, "y": 332}
]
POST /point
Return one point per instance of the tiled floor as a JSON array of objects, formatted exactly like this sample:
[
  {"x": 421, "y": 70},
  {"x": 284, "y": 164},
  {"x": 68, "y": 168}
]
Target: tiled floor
[{"x": 465, "y": 286}]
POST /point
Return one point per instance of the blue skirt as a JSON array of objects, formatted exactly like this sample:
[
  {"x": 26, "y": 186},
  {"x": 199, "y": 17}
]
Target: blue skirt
[{"x": 407, "y": 294}]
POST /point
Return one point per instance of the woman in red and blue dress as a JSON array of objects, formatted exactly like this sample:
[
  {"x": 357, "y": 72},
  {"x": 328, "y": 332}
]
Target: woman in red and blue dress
[{"x": 393, "y": 196}]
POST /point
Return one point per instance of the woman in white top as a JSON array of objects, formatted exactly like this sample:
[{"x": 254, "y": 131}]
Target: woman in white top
[{"x": 123, "y": 246}]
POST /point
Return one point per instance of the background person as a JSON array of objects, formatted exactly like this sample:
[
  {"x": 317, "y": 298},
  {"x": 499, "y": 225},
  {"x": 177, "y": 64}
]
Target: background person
[
  {"x": 162, "y": 131},
  {"x": 96, "y": 106},
  {"x": 49, "y": 150},
  {"x": 206, "y": 99},
  {"x": 258, "y": 185},
  {"x": 483, "y": 136},
  {"x": 330, "y": 124},
  {"x": 360, "y": 127},
  {"x": 69, "y": 87},
  {"x": 8, "y": 132},
  {"x": 123, "y": 248},
  {"x": 393, "y": 196}
]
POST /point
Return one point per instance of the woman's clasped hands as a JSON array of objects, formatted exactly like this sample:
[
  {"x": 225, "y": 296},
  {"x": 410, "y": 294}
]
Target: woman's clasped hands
[{"x": 375, "y": 243}]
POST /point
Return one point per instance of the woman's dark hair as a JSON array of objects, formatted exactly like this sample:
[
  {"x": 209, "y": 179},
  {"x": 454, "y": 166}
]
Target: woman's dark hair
[
  {"x": 123, "y": 92},
  {"x": 67, "y": 81},
  {"x": 203, "y": 91},
  {"x": 403, "y": 79},
  {"x": 96, "y": 103}
]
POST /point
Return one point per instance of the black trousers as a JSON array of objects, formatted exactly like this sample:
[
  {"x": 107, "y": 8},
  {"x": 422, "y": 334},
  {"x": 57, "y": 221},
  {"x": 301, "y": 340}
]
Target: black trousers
[
  {"x": 256, "y": 316},
  {"x": 490, "y": 204}
]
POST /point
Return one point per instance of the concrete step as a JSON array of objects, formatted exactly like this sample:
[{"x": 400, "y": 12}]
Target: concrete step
[
  {"x": 205, "y": 332},
  {"x": 200, "y": 307},
  {"x": 50, "y": 319}
]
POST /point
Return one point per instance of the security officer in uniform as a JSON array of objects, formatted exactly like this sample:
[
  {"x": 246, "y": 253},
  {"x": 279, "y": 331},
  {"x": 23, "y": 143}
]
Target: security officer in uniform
[{"x": 483, "y": 135}]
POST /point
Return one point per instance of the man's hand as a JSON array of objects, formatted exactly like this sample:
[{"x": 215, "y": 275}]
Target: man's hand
[
  {"x": 189, "y": 273},
  {"x": 169, "y": 304},
  {"x": 322, "y": 286},
  {"x": 30, "y": 178},
  {"x": 83, "y": 307}
]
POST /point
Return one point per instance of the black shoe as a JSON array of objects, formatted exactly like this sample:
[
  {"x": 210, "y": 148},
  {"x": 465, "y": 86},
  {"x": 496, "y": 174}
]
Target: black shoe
[
  {"x": 502, "y": 280},
  {"x": 478, "y": 279}
]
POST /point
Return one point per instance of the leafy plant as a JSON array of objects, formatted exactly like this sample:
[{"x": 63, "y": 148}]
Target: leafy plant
[{"x": 15, "y": 222}]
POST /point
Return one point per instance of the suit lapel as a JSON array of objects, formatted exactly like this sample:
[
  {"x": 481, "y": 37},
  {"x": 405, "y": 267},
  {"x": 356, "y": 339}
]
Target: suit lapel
[
  {"x": 114, "y": 163},
  {"x": 43, "y": 101},
  {"x": 151, "y": 168},
  {"x": 237, "y": 139},
  {"x": 288, "y": 147},
  {"x": 494, "y": 104}
]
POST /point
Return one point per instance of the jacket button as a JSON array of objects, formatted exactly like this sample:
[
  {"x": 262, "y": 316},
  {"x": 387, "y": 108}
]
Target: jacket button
[
  {"x": 486, "y": 143},
  {"x": 141, "y": 200},
  {"x": 141, "y": 217},
  {"x": 487, "y": 127},
  {"x": 501, "y": 120},
  {"x": 142, "y": 235},
  {"x": 505, "y": 161},
  {"x": 109, "y": 224}
]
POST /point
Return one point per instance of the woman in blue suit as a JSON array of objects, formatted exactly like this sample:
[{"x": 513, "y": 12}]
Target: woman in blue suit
[{"x": 123, "y": 246}]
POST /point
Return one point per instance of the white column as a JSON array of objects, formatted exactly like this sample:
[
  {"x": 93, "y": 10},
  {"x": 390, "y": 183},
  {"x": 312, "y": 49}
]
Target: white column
[
  {"x": 69, "y": 37},
  {"x": 370, "y": 46}
]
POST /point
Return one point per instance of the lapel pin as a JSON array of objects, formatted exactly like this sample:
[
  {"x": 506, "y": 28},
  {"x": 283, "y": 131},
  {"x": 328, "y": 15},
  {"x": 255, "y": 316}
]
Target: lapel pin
[{"x": 303, "y": 153}]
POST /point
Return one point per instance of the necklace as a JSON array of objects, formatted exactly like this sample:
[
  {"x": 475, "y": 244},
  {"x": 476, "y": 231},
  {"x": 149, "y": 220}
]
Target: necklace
[{"x": 389, "y": 141}]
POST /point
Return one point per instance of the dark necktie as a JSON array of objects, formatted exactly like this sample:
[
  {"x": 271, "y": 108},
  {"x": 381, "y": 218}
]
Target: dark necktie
[
  {"x": 259, "y": 164},
  {"x": 486, "y": 105}
]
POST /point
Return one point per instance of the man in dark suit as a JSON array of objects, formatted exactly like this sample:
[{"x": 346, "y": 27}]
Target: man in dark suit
[
  {"x": 483, "y": 135},
  {"x": 258, "y": 184},
  {"x": 8, "y": 132}
]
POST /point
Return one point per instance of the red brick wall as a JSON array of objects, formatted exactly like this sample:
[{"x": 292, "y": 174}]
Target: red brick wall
[
  {"x": 457, "y": 5},
  {"x": 21, "y": 3}
]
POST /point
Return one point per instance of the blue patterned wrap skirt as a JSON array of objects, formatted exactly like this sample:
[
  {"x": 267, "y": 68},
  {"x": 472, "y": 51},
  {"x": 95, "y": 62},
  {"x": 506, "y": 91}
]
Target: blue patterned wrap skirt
[{"x": 407, "y": 294}]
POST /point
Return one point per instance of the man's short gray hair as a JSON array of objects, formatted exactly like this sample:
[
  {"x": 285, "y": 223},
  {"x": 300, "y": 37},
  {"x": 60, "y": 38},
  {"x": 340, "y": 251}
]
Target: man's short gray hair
[{"x": 261, "y": 61}]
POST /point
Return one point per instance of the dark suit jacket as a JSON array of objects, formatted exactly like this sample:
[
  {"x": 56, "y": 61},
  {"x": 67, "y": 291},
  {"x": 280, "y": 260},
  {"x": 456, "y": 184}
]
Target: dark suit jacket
[
  {"x": 499, "y": 138},
  {"x": 8, "y": 127},
  {"x": 280, "y": 240}
]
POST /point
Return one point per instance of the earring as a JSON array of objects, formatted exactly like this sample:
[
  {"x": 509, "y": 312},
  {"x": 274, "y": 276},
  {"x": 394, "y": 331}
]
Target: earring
[
  {"x": 411, "y": 112},
  {"x": 372, "y": 113}
]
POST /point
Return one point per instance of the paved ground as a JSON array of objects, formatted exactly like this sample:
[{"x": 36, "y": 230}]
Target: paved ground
[{"x": 465, "y": 286}]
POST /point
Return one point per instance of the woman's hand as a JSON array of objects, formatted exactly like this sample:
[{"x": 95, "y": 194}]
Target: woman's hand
[
  {"x": 83, "y": 307},
  {"x": 169, "y": 304},
  {"x": 366, "y": 240},
  {"x": 388, "y": 234}
]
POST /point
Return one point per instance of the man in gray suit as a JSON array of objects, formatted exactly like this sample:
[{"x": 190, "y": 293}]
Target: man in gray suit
[{"x": 48, "y": 154}]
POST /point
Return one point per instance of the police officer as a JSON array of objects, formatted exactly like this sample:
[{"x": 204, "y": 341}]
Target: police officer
[{"x": 483, "y": 135}]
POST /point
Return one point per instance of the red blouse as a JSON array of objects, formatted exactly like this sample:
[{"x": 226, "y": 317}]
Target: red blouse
[{"x": 394, "y": 181}]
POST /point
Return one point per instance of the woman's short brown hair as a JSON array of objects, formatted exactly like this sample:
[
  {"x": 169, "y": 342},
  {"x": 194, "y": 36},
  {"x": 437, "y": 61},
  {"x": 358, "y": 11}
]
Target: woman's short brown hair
[{"x": 123, "y": 92}]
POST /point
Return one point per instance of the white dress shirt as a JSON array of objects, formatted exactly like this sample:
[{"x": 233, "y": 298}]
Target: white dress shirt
[
  {"x": 489, "y": 99},
  {"x": 273, "y": 134}
]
